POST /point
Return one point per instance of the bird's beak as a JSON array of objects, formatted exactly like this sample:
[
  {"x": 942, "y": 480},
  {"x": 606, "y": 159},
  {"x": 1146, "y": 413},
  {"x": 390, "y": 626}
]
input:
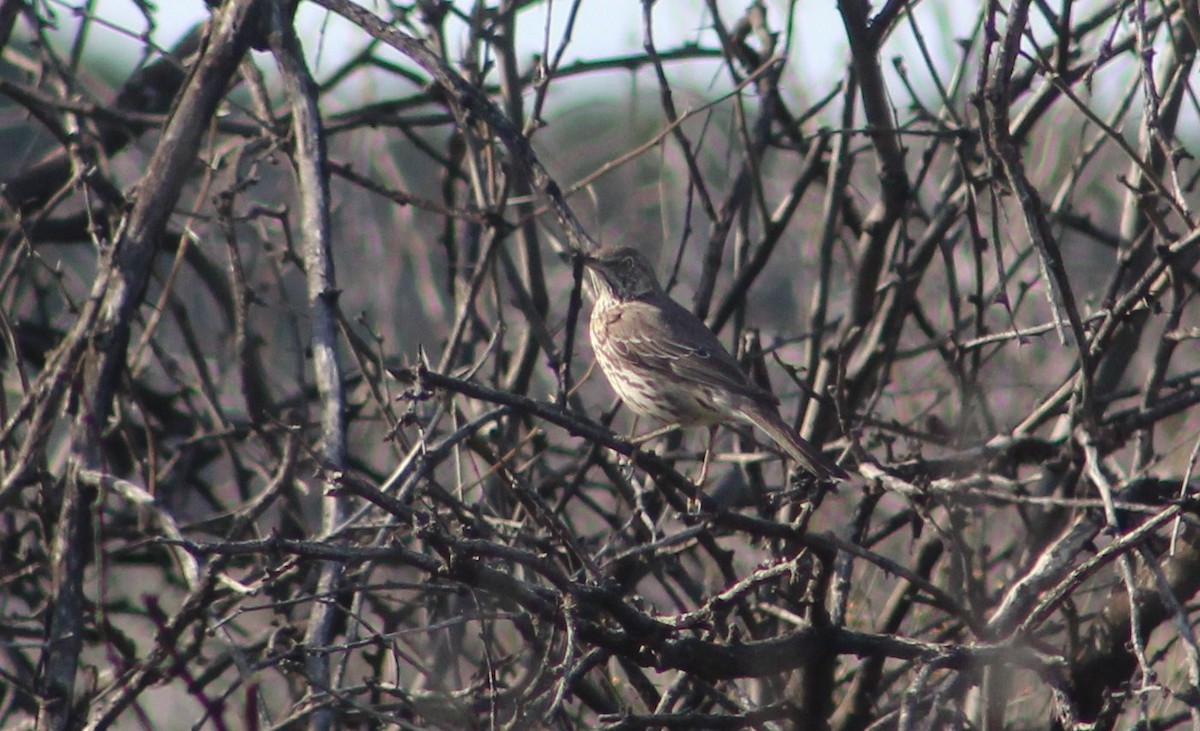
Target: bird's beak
[{"x": 574, "y": 255}]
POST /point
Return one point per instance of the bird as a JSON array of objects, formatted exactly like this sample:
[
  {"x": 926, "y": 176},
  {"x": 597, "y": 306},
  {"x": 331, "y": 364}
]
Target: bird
[{"x": 666, "y": 364}]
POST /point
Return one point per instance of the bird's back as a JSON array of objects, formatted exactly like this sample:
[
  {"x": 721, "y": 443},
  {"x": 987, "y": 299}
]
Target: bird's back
[{"x": 655, "y": 339}]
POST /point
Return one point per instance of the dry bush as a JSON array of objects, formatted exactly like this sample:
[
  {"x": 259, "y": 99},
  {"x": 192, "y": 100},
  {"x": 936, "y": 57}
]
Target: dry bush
[{"x": 299, "y": 424}]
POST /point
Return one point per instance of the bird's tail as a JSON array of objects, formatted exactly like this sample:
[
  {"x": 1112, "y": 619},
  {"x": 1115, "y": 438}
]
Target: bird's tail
[{"x": 809, "y": 457}]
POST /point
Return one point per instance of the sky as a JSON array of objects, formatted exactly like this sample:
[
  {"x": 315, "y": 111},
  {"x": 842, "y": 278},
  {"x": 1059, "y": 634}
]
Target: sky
[{"x": 603, "y": 28}]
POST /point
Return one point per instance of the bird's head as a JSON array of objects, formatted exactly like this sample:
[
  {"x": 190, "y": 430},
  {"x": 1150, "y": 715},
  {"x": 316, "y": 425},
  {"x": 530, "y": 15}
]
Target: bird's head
[{"x": 623, "y": 271}]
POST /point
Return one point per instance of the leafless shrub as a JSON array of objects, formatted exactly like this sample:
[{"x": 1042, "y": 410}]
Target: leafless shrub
[{"x": 299, "y": 426}]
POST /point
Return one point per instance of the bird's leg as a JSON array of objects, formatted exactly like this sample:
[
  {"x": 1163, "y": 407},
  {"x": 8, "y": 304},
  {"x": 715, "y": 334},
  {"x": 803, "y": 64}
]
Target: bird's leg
[
  {"x": 694, "y": 501},
  {"x": 631, "y": 459},
  {"x": 712, "y": 433}
]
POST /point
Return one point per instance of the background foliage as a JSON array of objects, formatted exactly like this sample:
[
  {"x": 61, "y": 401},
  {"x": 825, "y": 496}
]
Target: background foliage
[{"x": 299, "y": 426}]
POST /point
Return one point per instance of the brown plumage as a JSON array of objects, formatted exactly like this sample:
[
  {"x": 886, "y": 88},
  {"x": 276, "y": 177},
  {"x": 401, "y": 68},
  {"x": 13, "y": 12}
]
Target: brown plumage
[{"x": 665, "y": 363}]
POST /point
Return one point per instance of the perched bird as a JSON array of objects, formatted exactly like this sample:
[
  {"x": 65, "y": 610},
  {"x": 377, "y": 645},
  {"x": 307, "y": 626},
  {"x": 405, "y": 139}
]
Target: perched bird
[{"x": 666, "y": 364}]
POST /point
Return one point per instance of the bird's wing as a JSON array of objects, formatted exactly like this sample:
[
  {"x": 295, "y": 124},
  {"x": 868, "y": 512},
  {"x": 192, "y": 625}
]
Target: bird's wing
[{"x": 671, "y": 340}]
